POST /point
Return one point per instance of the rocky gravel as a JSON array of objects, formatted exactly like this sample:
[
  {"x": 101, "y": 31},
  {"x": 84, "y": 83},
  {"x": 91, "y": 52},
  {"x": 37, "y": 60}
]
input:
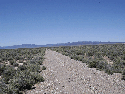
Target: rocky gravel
[{"x": 67, "y": 76}]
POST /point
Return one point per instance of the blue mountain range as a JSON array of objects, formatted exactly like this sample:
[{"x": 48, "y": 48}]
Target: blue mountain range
[{"x": 60, "y": 44}]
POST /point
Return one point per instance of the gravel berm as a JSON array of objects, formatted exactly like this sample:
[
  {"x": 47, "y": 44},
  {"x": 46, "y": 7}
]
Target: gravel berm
[{"x": 67, "y": 76}]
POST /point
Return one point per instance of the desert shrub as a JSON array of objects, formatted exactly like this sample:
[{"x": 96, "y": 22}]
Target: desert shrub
[
  {"x": 109, "y": 69},
  {"x": 36, "y": 58},
  {"x": 20, "y": 61},
  {"x": 43, "y": 68},
  {"x": 28, "y": 57},
  {"x": 3, "y": 88},
  {"x": 66, "y": 54},
  {"x": 2, "y": 68},
  {"x": 37, "y": 77},
  {"x": 40, "y": 58},
  {"x": 22, "y": 67},
  {"x": 24, "y": 80},
  {"x": 78, "y": 53},
  {"x": 10, "y": 58},
  {"x": 111, "y": 57},
  {"x": 0, "y": 60},
  {"x": 63, "y": 53},
  {"x": 72, "y": 56},
  {"x": 124, "y": 57},
  {"x": 15, "y": 64},
  {"x": 92, "y": 64},
  {"x": 3, "y": 58},
  {"x": 8, "y": 73},
  {"x": 80, "y": 58},
  {"x": 25, "y": 63},
  {"x": 116, "y": 69},
  {"x": 33, "y": 67},
  {"x": 40, "y": 62},
  {"x": 33, "y": 61},
  {"x": 90, "y": 53},
  {"x": 123, "y": 61},
  {"x": 123, "y": 75},
  {"x": 84, "y": 61},
  {"x": 11, "y": 62},
  {"x": 17, "y": 57},
  {"x": 101, "y": 65},
  {"x": 75, "y": 57},
  {"x": 118, "y": 66}
]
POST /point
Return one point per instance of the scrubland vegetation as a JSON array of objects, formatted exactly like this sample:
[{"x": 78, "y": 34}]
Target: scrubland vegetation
[
  {"x": 109, "y": 58},
  {"x": 19, "y": 69}
]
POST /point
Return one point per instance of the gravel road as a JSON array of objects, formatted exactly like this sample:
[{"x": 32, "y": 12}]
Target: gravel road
[{"x": 67, "y": 76}]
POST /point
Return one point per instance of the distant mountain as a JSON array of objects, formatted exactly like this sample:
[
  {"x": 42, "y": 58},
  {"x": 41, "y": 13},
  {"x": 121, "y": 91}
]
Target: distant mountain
[{"x": 59, "y": 44}]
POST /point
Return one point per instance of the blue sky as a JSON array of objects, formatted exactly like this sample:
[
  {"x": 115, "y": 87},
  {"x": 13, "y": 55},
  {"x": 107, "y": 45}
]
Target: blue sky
[{"x": 43, "y": 22}]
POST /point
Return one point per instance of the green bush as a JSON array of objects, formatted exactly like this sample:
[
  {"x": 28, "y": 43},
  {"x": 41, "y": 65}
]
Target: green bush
[
  {"x": 33, "y": 61},
  {"x": 123, "y": 75},
  {"x": 41, "y": 58},
  {"x": 33, "y": 67},
  {"x": 40, "y": 62},
  {"x": 8, "y": 74},
  {"x": 123, "y": 62},
  {"x": 11, "y": 62},
  {"x": 109, "y": 69},
  {"x": 15, "y": 64},
  {"x": 0, "y": 60},
  {"x": 43, "y": 68},
  {"x": 84, "y": 61},
  {"x": 10, "y": 58},
  {"x": 3, "y": 88},
  {"x": 101, "y": 65},
  {"x": 80, "y": 58},
  {"x": 17, "y": 57},
  {"x": 20, "y": 61},
  {"x": 92, "y": 64},
  {"x": 90, "y": 53},
  {"x": 24, "y": 80},
  {"x": 22, "y": 67},
  {"x": 79, "y": 52},
  {"x": 15, "y": 81},
  {"x": 2, "y": 68}
]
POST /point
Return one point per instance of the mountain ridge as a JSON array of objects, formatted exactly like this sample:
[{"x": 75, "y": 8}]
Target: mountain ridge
[{"x": 60, "y": 44}]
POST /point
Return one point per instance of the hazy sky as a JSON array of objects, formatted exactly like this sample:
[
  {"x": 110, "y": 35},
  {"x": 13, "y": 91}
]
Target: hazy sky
[{"x": 58, "y": 21}]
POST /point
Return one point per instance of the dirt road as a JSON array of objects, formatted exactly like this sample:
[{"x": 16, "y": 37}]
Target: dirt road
[{"x": 67, "y": 76}]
